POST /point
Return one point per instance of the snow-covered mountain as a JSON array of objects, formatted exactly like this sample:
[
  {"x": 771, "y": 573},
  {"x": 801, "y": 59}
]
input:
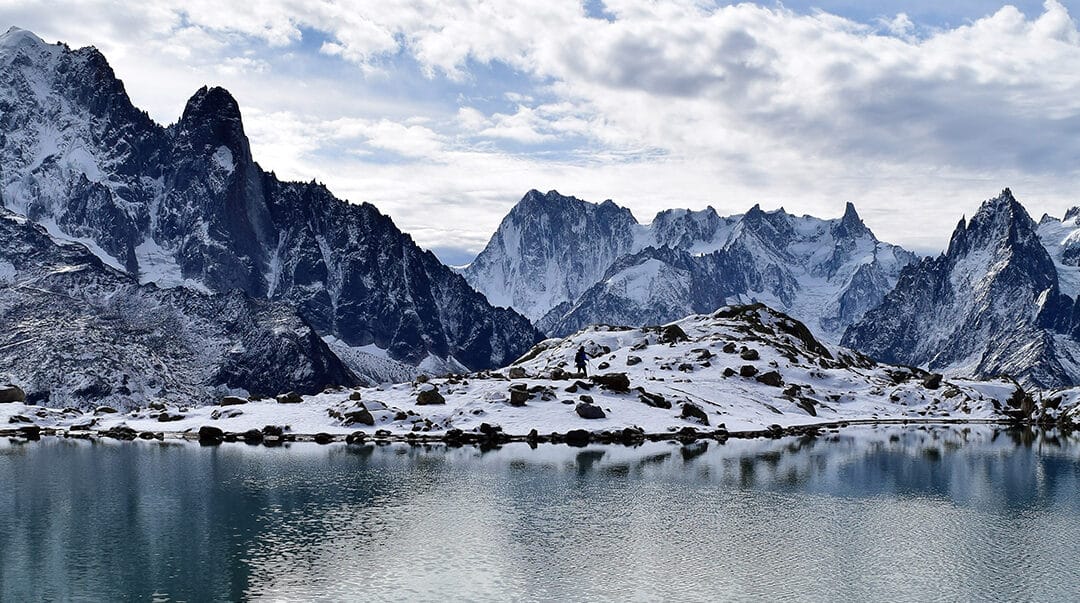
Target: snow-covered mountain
[
  {"x": 77, "y": 332},
  {"x": 991, "y": 304},
  {"x": 186, "y": 205},
  {"x": 566, "y": 263}
]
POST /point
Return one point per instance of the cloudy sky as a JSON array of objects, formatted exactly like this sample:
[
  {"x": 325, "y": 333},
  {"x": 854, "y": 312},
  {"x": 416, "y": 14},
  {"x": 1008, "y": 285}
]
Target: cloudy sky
[{"x": 445, "y": 112}]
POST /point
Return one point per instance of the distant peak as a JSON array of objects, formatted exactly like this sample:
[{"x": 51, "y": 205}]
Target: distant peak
[
  {"x": 1073, "y": 212},
  {"x": 850, "y": 225},
  {"x": 16, "y": 37}
]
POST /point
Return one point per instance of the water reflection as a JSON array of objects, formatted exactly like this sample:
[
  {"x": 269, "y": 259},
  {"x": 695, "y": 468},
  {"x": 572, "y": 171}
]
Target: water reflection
[{"x": 868, "y": 513}]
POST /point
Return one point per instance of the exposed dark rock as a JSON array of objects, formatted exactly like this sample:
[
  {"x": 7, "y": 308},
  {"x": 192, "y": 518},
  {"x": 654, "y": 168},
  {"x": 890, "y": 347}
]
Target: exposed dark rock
[
  {"x": 11, "y": 393},
  {"x": 771, "y": 378},
  {"x": 750, "y": 354},
  {"x": 209, "y": 434},
  {"x": 290, "y": 398},
  {"x": 747, "y": 370},
  {"x": 633, "y": 360},
  {"x": 429, "y": 394},
  {"x": 578, "y": 438},
  {"x": 362, "y": 416},
  {"x": 616, "y": 382},
  {"x": 233, "y": 401},
  {"x": 673, "y": 334},
  {"x": 589, "y": 411},
  {"x": 651, "y": 399},
  {"x": 694, "y": 412}
]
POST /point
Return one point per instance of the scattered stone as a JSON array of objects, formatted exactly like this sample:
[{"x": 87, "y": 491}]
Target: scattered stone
[
  {"x": 519, "y": 394},
  {"x": 586, "y": 398},
  {"x": 747, "y": 370},
  {"x": 20, "y": 419},
  {"x": 167, "y": 417},
  {"x": 156, "y": 406},
  {"x": 429, "y": 394},
  {"x": 361, "y": 415},
  {"x": 771, "y": 378},
  {"x": 729, "y": 372},
  {"x": 253, "y": 436},
  {"x": 603, "y": 366},
  {"x": 750, "y": 354},
  {"x": 210, "y": 435},
  {"x": 633, "y": 360},
  {"x": 694, "y": 412},
  {"x": 355, "y": 396},
  {"x": 10, "y": 393},
  {"x": 686, "y": 367},
  {"x": 673, "y": 334},
  {"x": 589, "y": 411},
  {"x": 233, "y": 401},
  {"x": 933, "y": 381},
  {"x": 30, "y": 432},
  {"x": 729, "y": 347},
  {"x": 616, "y": 382},
  {"x": 323, "y": 438},
  {"x": 120, "y": 432},
  {"x": 579, "y": 438},
  {"x": 273, "y": 430},
  {"x": 517, "y": 372},
  {"x": 290, "y": 398},
  {"x": 104, "y": 410},
  {"x": 421, "y": 378},
  {"x": 653, "y": 400}
]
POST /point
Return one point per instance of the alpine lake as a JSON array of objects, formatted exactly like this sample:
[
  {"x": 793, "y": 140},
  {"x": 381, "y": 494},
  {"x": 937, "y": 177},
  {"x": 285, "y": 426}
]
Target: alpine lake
[{"x": 886, "y": 513}]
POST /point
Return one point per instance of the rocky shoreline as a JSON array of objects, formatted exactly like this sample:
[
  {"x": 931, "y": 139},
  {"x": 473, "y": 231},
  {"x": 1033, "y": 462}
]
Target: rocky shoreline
[{"x": 486, "y": 436}]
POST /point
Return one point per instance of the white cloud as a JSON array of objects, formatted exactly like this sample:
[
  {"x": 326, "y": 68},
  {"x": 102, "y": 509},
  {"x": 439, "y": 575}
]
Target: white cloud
[{"x": 672, "y": 103}]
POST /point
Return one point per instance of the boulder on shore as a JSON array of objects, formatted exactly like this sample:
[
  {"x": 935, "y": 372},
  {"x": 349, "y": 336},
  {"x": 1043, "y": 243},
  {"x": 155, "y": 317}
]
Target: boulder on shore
[
  {"x": 11, "y": 393},
  {"x": 589, "y": 411}
]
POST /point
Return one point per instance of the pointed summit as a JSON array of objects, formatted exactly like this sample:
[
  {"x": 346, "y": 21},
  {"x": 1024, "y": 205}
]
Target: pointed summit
[
  {"x": 212, "y": 119},
  {"x": 850, "y": 225},
  {"x": 1072, "y": 213}
]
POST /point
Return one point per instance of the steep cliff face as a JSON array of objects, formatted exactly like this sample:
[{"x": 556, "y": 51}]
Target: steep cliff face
[
  {"x": 566, "y": 263},
  {"x": 188, "y": 206},
  {"x": 991, "y": 304},
  {"x": 80, "y": 333}
]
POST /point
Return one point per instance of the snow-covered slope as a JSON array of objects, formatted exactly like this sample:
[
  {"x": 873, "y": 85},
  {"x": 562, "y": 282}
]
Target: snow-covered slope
[
  {"x": 1061, "y": 238},
  {"x": 566, "y": 263},
  {"x": 187, "y": 205},
  {"x": 739, "y": 369},
  {"x": 990, "y": 305},
  {"x": 79, "y": 333}
]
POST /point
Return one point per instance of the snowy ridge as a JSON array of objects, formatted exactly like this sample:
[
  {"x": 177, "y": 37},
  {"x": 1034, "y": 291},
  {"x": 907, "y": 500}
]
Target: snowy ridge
[
  {"x": 739, "y": 369},
  {"x": 566, "y": 263},
  {"x": 992, "y": 304},
  {"x": 81, "y": 334}
]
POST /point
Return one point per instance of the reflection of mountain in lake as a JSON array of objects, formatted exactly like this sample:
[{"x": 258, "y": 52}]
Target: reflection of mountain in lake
[{"x": 845, "y": 514}]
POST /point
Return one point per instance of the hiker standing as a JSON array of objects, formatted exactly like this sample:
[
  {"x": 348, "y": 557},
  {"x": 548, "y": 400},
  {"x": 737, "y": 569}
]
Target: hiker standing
[{"x": 581, "y": 360}]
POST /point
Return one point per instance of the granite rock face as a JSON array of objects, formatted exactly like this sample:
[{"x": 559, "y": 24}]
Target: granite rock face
[{"x": 186, "y": 205}]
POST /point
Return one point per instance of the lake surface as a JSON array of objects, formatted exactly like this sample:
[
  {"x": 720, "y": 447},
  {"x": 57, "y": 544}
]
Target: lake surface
[{"x": 867, "y": 514}]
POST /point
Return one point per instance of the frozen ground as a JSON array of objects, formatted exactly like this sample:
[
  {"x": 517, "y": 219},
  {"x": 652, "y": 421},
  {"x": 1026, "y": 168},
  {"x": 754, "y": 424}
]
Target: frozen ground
[{"x": 743, "y": 369}]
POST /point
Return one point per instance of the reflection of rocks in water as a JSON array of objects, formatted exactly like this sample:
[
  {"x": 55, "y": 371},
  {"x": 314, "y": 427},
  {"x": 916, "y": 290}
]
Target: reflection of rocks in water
[
  {"x": 587, "y": 459},
  {"x": 693, "y": 450}
]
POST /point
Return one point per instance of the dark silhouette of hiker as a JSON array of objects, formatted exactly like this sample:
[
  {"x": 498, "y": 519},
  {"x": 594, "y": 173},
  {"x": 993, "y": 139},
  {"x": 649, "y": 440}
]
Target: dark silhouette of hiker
[{"x": 581, "y": 360}]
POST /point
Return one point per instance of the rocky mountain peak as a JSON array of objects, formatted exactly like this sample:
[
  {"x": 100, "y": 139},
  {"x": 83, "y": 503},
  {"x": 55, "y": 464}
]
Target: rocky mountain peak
[
  {"x": 16, "y": 37},
  {"x": 851, "y": 225},
  {"x": 1000, "y": 223},
  {"x": 1072, "y": 213},
  {"x": 212, "y": 119}
]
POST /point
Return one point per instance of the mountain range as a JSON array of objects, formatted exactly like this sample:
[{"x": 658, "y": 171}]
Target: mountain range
[
  {"x": 170, "y": 250},
  {"x": 567, "y": 263},
  {"x": 186, "y": 205}
]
